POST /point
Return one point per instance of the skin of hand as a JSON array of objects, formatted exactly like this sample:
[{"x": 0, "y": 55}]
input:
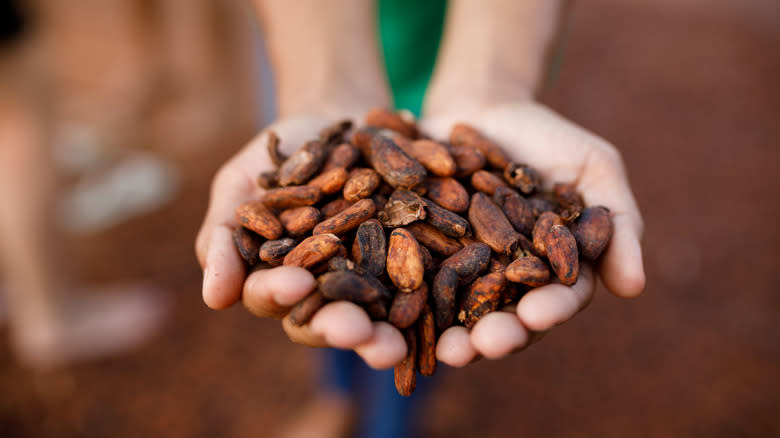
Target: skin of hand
[
  {"x": 561, "y": 152},
  {"x": 271, "y": 293}
]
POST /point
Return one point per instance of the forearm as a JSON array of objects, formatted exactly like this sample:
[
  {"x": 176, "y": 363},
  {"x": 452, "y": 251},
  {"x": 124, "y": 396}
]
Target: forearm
[
  {"x": 325, "y": 55},
  {"x": 494, "y": 50}
]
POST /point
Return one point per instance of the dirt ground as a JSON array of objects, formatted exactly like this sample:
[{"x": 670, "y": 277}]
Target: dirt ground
[{"x": 689, "y": 92}]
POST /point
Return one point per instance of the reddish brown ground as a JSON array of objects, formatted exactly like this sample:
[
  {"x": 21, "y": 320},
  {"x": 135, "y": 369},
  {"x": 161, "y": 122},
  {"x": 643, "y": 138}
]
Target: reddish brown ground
[{"x": 690, "y": 94}]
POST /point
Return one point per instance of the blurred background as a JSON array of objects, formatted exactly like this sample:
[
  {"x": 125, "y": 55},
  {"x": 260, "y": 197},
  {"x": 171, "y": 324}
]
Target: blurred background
[{"x": 169, "y": 89}]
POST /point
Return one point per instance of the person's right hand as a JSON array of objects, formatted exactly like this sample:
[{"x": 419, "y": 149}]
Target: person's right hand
[{"x": 271, "y": 293}]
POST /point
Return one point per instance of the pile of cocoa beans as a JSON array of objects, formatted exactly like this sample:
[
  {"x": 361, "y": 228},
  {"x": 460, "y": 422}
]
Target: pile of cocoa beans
[{"x": 423, "y": 234}]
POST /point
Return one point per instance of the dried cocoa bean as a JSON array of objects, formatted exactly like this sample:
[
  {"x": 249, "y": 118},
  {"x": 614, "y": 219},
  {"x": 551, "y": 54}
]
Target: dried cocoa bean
[
  {"x": 487, "y": 182},
  {"x": 349, "y": 286},
  {"x": 481, "y": 297},
  {"x": 446, "y": 221},
  {"x": 522, "y": 177},
  {"x": 398, "y": 169},
  {"x": 258, "y": 218},
  {"x": 465, "y": 135},
  {"x": 313, "y": 250},
  {"x": 444, "y": 293},
  {"x": 277, "y": 157},
  {"x": 491, "y": 226},
  {"x": 448, "y": 193},
  {"x": 274, "y": 251},
  {"x": 248, "y": 245},
  {"x": 289, "y": 197},
  {"x": 404, "y": 261},
  {"x": 405, "y": 372},
  {"x": 361, "y": 184},
  {"x": 334, "y": 207},
  {"x": 344, "y": 155},
  {"x": 406, "y": 308},
  {"x": 334, "y": 133},
  {"x": 303, "y": 164},
  {"x": 469, "y": 262},
  {"x": 268, "y": 179},
  {"x": 384, "y": 119},
  {"x": 300, "y": 220},
  {"x": 426, "y": 339},
  {"x": 330, "y": 181},
  {"x": 529, "y": 270},
  {"x": 592, "y": 231},
  {"x": 542, "y": 228},
  {"x": 304, "y": 311},
  {"x": 433, "y": 239},
  {"x": 467, "y": 160},
  {"x": 369, "y": 249},
  {"x": 432, "y": 155},
  {"x": 347, "y": 219},
  {"x": 562, "y": 254},
  {"x": 569, "y": 200},
  {"x": 516, "y": 208},
  {"x": 403, "y": 208}
]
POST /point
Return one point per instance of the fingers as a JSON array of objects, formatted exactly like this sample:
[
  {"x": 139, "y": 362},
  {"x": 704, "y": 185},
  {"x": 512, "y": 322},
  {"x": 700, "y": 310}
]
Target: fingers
[
  {"x": 497, "y": 334},
  {"x": 340, "y": 324},
  {"x": 224, "y": 271},
  {"x": 550, "y": 305},
  {"x": 454, "y": 347},
  {"x": 270, "y": 293},
  {"x": 385, "y": 348},
  {"x": 604, "y": 183}
]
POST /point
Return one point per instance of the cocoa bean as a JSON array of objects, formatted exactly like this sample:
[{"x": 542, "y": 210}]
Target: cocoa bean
[
  {"x": 274, "y": 251},
  {"x": 516, "y": 208},
  {"x": 491, "y": 226},
  {"x": 465, "y": 135},
  {"x": 403, "y": 208},
  {"x": 569, "y": 200},
  {"x": 467, "y": 160},
  {"x": 361, "y": 184},
  {"x": 289, "y": 197},
  {"x": 405, "y": 372},
  {"x": 277, "y": 157},
  {"x": 592, "y": 231},
  {"x": 522, "y": 177},
  {"x": 258, "y": 218},
  {"x": 446, "y": 221},
  {"x": 343, "y": 155},
  {"x": 433, "y": 239},
  {"x": 487, "y": 182},
  {"x": 268, "y": 179},
  {"x": 330, "y": 181},
  {"x": 444, "y": 293},
  {"x": 432, "y": 155},
  {"x": 369, "y": 249},
  {"x": 404, "y": 261},
  {"x": 334, "y": 207},
  {"x": 406, "y": 308},
  {"x": 349, "y": 286},
  {"x": 248, "y": 245},
  {"x": 382, "y": 118},
  {"x": 347, "y": 219},
  {"x": 448, "y": 193},
  {"x": 313, "y": 250},
  {"x": 562, "y": 254},
  {"x": 529, "y": 270},
  {"x": 481, "y": 297},
  {"x": 398, "y": 169},
  {"x": 542, "y": 228},
  {"x": 303, "y": 164},
  {"x": 304, "y": 311},
  {"x": 426, "y": 340},
  {"x": 469, "y": 262},
  {"x": 300, "y": 220},
  {"x": 334, "y": 133}
]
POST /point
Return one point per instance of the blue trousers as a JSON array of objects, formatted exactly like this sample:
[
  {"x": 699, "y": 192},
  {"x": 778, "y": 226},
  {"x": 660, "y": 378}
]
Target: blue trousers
[{"x": 381, "y": 411}]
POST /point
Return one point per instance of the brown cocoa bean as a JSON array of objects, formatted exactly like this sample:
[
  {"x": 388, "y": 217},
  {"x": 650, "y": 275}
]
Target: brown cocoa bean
[
  {"x": 512, "y": 293},
  {"x": 446, "y": 221},
  {"x": 491, "y": 226},
  {"x": 426, "y": 340},
  {"x": 361, "y": 184},
  {"x": 337, "y": 263},
  {"x": 570, "y": 202},
  {"x": 516, "y": 208},
  {"x": 304, "y": 311},
  {"x": 481, "y": 297},
  {"x": 277, "y": 157},
  {"x": 274, "y": 251},
  {"x": 540, "y": 204},
  {"x": 469, "y": 262},
  {"x": 467, "y": 160},
  {"x": 433, "y": 239},
  {"x": 398, "y": 169},
  {"x": 403, "y": 208},
  {"x": 349, "y": 286},
  {"x": 334, "y": 207},
  {"x": 427, "y": 258},
  {"x": 268, "y": 179},
  {"x": 487, "y": 182},
  {"x": 542, "y": 229},
  {"x": 562, "y": 254},
  {"x": 330, "y": 181},
  {"x": 384, "y": 119},
  {"x": 303, "y": 164},
  {"x": 404, "y": 261},
  {"x": 347, "y": 219},
  {"x": 529, "y": 270},
  {"x": 444, "y": 292},
  {"x": 362, "y": 138},
  {"x": 592, "y": 231},
  {"x": 448, "y": 193},
  {"x": 300, "y": 220},
  {"x": 313, "y": 250},
  {"x": 522, "y": 177},
  {"x": 465, "y": 135},
  {"x": 405, "y": 372},
  {"x": 334, "y": 133},
  {"x": 432, "y": 155},
  {"x": 344, "y": 155},
  {"x": 258, "y": 218},
  {"x": 289, "y": 197},
  {"x": 248, "y": 245},
  {"x": 369, "y": 250},
  {"x": 406, "y": 308}
]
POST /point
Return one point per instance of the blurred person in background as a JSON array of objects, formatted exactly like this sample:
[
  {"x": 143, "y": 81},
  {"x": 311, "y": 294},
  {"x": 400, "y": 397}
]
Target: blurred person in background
[{"x": 492, "y": 60}]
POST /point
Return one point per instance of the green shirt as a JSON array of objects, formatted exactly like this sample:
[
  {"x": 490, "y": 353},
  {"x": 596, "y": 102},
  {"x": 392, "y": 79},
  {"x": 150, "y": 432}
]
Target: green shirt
[{"x": 409, "y": 32}]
